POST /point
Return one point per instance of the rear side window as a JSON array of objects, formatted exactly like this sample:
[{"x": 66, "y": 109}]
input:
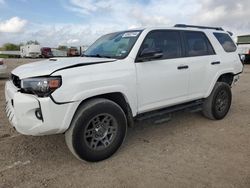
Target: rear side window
[
  {"x": 169, "y": 42},
  {"x": 226, "y": 42},
  {"x": 197, "y": 44}
]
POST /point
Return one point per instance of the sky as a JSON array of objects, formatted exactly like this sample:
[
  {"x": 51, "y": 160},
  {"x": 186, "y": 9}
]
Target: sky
[{"x": 81, "y": 22}]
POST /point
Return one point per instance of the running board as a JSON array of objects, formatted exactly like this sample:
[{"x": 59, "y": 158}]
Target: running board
[{"x": 194, "y": 106}]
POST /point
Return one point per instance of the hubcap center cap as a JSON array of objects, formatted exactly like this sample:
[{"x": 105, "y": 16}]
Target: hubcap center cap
[{"x": 100, "y": 131}]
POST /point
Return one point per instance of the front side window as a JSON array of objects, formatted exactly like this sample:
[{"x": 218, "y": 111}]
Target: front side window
[
  {"x": 114, "y": 45},
  {"x": 226, "y": 42},
  {"x": 197, "y": 44},
  {"x": 166, "y": 41}
]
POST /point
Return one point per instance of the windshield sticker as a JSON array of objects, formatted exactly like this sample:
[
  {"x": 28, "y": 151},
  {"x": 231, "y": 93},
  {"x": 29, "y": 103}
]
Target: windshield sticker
[{"x": 130, "y": 34}]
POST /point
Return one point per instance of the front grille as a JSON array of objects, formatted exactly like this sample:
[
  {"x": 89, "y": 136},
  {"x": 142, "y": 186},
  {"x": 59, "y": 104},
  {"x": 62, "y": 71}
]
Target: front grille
[{"x": 16, "y": 80}]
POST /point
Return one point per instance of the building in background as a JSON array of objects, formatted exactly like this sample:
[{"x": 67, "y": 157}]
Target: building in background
[{"x": 243, "y": 42}]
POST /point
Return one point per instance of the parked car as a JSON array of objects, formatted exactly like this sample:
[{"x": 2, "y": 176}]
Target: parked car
[
  {"x": 46, "y": 52},
  {"x": 123, "y": 77},
  {"x": 30, "y": 51},
  {"x": 3, "y": 67}
]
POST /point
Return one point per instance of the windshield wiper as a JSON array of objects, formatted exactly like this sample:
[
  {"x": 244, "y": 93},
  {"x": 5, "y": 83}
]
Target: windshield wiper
[{"x": 97, "y": 55}]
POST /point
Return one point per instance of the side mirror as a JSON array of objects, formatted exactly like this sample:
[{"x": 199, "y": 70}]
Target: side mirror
[{"x": 149, "y": 54}]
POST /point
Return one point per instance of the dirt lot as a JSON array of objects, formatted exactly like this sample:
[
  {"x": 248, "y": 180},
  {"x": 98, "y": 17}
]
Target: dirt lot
[{"x": 188, "y": 151}]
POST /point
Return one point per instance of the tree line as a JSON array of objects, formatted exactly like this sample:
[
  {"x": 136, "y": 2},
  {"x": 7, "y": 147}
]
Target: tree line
[{"x": 16, "y": 47}]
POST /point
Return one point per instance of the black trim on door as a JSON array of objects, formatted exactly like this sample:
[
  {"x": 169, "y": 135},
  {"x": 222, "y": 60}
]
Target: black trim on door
[
  {"x": 182, "y": 67},
  {"x": 215, "y": 63}
]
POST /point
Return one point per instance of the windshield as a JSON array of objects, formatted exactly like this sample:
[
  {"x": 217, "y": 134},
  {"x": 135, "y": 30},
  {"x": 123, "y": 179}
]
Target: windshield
[{"x": 114, "y": 45}]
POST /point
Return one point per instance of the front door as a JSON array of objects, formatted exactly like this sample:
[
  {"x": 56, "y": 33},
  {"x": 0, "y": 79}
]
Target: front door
[{"x": 164, "y": 81}]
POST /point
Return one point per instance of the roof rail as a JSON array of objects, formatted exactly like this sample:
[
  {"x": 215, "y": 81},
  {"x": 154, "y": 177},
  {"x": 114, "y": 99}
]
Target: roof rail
[{"x": 199, "y": 27}]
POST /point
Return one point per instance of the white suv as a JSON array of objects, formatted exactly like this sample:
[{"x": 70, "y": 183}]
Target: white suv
[{"x": 124, "y": 76}]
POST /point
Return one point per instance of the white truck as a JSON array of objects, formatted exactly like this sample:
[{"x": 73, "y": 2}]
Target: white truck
[
  {"x": 30, "y": 51},
  {"x": 124, "y": 76},
  {"x": 59, "y": 53}
]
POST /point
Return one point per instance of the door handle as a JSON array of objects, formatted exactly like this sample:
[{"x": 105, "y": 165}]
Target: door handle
[
  {"x": 182, "y": 67},
  {"x": 215, "y": 63}
]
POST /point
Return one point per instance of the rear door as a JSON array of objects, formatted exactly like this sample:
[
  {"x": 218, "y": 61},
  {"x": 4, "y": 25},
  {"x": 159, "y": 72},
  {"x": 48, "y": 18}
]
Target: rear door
[
  {"x": 202, "y": 61},
  {"x": 162, "y": 82},
  {"x": 229, "y": 54}
]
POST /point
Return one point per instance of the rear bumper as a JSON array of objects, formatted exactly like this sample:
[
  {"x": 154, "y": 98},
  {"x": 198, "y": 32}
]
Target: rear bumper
[{"x": 21, "y": 110}]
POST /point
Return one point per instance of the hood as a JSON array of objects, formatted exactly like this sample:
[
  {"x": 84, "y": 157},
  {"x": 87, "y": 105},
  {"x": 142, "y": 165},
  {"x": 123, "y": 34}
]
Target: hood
[{"x": 49, "y": 66}]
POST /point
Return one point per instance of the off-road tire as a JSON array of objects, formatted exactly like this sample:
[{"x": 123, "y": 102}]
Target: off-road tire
[
  {"x": 211, "y": 106},
  {"x": 77, "y": 135}
]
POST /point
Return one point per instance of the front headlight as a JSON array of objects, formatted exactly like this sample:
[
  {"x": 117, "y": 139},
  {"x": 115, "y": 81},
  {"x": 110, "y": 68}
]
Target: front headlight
[{"x": 41, "y": 86}]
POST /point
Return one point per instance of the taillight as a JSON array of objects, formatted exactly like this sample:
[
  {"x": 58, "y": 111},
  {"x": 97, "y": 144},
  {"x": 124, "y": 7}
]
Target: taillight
[
  {"x": 249, "y": 52},
  {"x": 1, "y": 62}
]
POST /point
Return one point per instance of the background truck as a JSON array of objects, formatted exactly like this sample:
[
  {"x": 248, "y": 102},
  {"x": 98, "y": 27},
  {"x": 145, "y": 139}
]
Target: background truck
[
  {"x": 244, "y": 46},
  {"x": 73, "y": 51},
  {"x": 46, "y": 52},
  {"x": 59, "y": 53},
  {"x": 30, "y": 51}
]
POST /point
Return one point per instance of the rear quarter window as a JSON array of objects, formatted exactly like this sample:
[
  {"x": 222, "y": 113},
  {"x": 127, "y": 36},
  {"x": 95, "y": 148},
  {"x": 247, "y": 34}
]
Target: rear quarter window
[{"x": 226, "y": 42}]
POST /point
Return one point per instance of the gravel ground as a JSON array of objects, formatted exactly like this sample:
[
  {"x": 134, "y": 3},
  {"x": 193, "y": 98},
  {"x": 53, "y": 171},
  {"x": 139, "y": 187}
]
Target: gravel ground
[{"x": 188, "y": 151}]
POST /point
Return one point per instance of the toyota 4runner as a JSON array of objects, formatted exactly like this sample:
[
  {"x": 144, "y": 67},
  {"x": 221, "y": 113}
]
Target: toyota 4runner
[{"x": 124, "y": 76}]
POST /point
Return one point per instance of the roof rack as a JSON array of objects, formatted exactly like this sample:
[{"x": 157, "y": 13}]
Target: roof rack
[{"x": 199, "y": 27}]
